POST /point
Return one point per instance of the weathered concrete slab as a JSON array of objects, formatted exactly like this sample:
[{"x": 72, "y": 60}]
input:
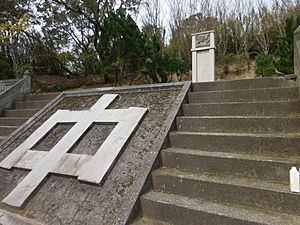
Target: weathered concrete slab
[{"x": 63, "y": 199}]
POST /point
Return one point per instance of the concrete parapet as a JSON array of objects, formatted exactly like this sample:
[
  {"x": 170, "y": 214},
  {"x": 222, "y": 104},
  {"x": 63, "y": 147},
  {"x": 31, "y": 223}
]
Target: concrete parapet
[{"x": 15, "y": 92}]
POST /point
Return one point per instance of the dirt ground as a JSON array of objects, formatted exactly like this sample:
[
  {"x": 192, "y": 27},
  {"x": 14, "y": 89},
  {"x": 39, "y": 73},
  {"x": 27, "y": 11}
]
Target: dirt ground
[{"x": 53, "y": 83}]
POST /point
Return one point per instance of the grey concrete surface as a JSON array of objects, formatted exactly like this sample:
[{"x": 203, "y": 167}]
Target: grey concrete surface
[
  {"x": 243, "y": 109},
  {"x": 243, "y": 84},
  {"x": 239, "y": 124},
  {"x": 64, "y": 200},
  {"x": 223, "y": 163},
  {"x": 179, "y": 210},
  {"x": 228, "y": 162},
  {"x": 89, "y": 169},
  {"x": 259, "y": 194},
  {"x": 254, "y": 95},
  {"x": 265, "y": 144},
  {"x": 16, "y": 92}
]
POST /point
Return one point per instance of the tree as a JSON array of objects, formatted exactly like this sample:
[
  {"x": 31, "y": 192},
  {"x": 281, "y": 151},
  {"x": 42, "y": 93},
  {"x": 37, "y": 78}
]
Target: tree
[
  {"x": 121, "y": 45},
  {"x": 285, "y": 52}
]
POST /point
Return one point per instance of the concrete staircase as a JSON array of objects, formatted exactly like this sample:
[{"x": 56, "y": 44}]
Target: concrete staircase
[
  {"x": 229, "y": 158},
  {"x": 11, "y": 119}
]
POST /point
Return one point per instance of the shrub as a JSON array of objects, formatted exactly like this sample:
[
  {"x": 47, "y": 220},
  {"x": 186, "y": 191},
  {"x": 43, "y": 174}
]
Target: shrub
[
  {"x": 264, "y": 65},
  {"x": 6, "y": 70}
]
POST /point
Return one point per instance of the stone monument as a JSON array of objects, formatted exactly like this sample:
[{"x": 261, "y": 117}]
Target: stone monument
[
  {"x": 203, "y": 56},
  {"x": 86, "y": 156}
]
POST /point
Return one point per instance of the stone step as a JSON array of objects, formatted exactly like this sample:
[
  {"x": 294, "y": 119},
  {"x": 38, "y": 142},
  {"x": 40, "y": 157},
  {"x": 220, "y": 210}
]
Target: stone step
[
  {"x": 179, "y": 210},
  {"x": 254, "y": 95},
  {"x": 276, "y": 145},
  {"x": 19, "y": 112},
  {"x": 222, "y": 163},
  {"x": 146, "y": 221},
  {"x": 239, "y": 124},
  {"x": 243, "y": 84},
  {"x": 255, "y": 193},
  {"x": 31, "y": 104},
  {"x": 12, "y": 121},
  {"x": 6, "y": 130},
  {"x": 243, "y": 109},
  {"x": 42, "y": 97}
]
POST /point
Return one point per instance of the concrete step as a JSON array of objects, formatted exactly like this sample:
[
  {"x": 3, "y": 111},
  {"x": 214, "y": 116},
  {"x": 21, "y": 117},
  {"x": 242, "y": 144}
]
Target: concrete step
[
  {"x": 243, "y": 84},
  {"x": 146, "y": 221},
  {"x": 31, "y": 104},
  {"x": 275, "y": 145},
  {"x": 179, "y": 210},
  {"x": 254, "y": 95},
  {"x": 259, "y": 194},
  {"x": 6, "y": 130},
  {"x": 222, "y": 163},
  {"x": 239, "y": 124},
  {"x": 243, "y": 109},
  {"x": 19, "y": 112},
  {"x": 42, "y": 97},
  {"x": 12, "y": 121}
]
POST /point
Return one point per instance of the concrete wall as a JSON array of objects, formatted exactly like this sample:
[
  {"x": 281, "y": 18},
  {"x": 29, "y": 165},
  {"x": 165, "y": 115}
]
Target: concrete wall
[
  {"x": 15, "y": 92},
  {"x": 297, "y": 54}
]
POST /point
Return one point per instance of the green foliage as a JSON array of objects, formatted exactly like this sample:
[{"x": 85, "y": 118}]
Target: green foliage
[
  {"x": 285, "y": 51},
  {"x": 264, "y": 65},
  {"x": 121, "y": 45},
  {"x": 6, "y": 70},
  {"x": 159, "y": 66},
  {"x": 24, "y": 70},
  {"x": 58, "y": 88}
]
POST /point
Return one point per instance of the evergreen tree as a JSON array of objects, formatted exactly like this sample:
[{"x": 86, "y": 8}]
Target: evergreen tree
[{"x": 285, "y": 51}]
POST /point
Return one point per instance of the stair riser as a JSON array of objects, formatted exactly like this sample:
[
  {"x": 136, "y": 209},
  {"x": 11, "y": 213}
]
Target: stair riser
[
  {"x": 177, "y": 215},
  {"x": 239, "y": 125},
  {"x": 19, "y": 113},
  {"x": 275, "y": 146},
  {"x": 41, "y": 97},
  {"x": 30, "y": 105},
  {"x": 258, "y": 109},
  {"x": 232, "y": 194},
  {"x": 228, "y": 166},
  {"x": 11, "y": 122},
  {"x": 245, "y": 96},
  {"x": 5, "y": 131},
  {"x": 242, "y": 84}
]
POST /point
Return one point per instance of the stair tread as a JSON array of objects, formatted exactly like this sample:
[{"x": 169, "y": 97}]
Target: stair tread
[
  {"x": 11, "y": 110},
  {"x": 12, "y": 118},
  {"x": 4, "y": 126},
  {"x": 242, "y": 103},
  {"x": 289, "y": 160},
  {"x": 276, "y": 135},
  {"x": 227, "y": 180},
  {"x": 245, "y": 90},
  {"x": 296, "y": 117},
  {"x": 33, "y": 101},
  {"x": 238, "y": 212},
  {"x": 146, "y": 221}
]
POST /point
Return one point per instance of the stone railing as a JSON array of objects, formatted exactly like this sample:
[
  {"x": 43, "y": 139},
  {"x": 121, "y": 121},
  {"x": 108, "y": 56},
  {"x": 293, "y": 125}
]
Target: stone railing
[
  {"x": 297, "y": 54},
  {"x": 6, "y": 84},
  {"x": 13, "y": 90}
]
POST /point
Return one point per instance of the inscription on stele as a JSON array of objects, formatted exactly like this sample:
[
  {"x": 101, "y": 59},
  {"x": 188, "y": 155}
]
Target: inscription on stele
[
  {"x": 202, "y": 40},
  {"x": 88, "y": 168}
]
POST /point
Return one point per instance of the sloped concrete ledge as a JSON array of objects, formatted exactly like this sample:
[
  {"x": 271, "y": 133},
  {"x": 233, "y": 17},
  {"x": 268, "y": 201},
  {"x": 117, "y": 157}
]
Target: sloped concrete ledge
[{"x": 181, "y": 89}]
